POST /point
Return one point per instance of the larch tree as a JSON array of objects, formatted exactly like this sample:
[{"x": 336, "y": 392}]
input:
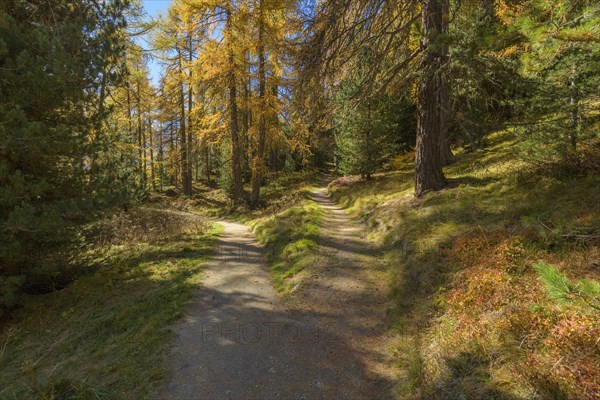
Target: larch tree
[
  {"x": 341, "y": 29},
  {"x": 176, "y": 43},
  {"x": 270, "y": 43},
  {"x": 219, "y": 59},
  {"x": 258, "y": 162}
]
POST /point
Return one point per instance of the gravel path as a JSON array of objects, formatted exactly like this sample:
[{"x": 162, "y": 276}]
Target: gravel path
[{"x": 240, "y": 340}]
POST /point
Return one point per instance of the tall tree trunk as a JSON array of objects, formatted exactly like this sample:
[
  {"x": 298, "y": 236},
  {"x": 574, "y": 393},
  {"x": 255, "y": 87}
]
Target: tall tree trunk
[
  {"x": 257, "y": 164},
  {"x": 238, "y": 190},
  {"x": 247, "y": 122},
  {"x": 275, "y": 123},
  {"x": 190, "y": 141},
  {"x": 129, "y": 111},
  {"x": 444, "y": 90},
  {"x": 145, "y": 155},
  {"x": 574, "y": 110},
  {"x": 428, "y": 161},
  {"x": 161, "y": 157},
  {"x": 140, "y": 136},
  {"x": 152, "y": 176},
  {"x": 206, "y": 151},
  {"x": 174, "y": 165},
  {"x": 185, "y": 176},
  {"x": 369, "y": 140},
  {"x": 275, "y": 159}
]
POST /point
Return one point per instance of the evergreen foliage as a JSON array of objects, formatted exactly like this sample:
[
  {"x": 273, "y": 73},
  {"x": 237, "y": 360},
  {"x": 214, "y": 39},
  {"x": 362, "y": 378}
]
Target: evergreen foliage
[
  {"x": 561, "y": 59},
  {"x": 483, "y": 72},
  {"x": 57, "y": 62},
  {"x": 254, "y": 91},
  {"x": 563, "y": 291},
  {"x": 369, "y": 130}
]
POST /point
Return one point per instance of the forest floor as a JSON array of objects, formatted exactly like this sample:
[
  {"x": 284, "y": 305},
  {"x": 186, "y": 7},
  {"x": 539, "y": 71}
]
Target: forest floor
[
  {"x": 374, "y": 295},
  {"x": 240, "y": 339},
  {"x": 473, "y": 316},
  {"x": 106, "y": 335}
]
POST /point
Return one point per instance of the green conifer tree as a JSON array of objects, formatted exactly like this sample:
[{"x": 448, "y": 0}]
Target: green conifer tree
[{"x": 58, "y": 61}]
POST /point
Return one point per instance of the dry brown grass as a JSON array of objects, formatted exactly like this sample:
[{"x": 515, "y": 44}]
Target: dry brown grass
[{"x": 149, "y": 224}]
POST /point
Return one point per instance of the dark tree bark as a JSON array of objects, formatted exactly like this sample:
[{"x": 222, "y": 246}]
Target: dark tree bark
[
  {"x": 428, "y": 161},
  {"x": 186, "y": 179},
  {"x": 274, "y": 122},
  {"x": 444, "y": 91},
  {"x": 129, "y": 114},
  {"x": 246, "y": 119},
  {"x": 190, "y": 140},
  {"x": 238, "y": 191},
  {"x": 151, "y": 138},
  {"x": 574, "y": 109},
  {"x": 173, "y": 173},
  {"x": 145, "y": 155},
  {"x": 206, "y": 150},
  {"x": 257, "y": 165},
  {"x": 161, "y": 157},
  {"x": 141, "y": 139}
]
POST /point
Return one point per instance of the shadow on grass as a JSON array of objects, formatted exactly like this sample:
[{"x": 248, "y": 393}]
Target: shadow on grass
[
  {"x": 105, "y": 335},
  {"x": 442, "y": 217},
  {"x": 485, "y": 196},
  {"x": 237, "y": 342},
  {"x": 469, "y": 379}
]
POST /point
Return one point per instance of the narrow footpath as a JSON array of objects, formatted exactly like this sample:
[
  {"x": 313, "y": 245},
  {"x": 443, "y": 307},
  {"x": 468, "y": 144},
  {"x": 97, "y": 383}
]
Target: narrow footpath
[{"x": 240, "y": 340}]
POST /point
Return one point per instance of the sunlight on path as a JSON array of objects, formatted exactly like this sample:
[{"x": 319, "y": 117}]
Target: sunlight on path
[{"x": 240, "y": 340}]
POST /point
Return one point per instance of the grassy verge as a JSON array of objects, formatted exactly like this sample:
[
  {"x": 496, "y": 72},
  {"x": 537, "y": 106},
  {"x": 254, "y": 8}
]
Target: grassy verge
[
  {"x": 290, "y": 239},
  {"x": 474, "y": 318},
  {"x": 106, "y": 335},
  {"x": 286, "y": 223},
  {"x": 283, "y": 191}
]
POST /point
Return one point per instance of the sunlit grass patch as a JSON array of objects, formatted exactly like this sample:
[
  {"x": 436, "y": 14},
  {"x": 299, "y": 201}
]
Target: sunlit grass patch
[
  {"x": 282, "y": 191},
  {"x": 290, "y": 240}
]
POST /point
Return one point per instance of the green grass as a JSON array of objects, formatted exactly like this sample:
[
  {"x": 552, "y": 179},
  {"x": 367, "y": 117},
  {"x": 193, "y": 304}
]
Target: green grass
[
  {"x": 290, "y": 239},
  {"x": 286, "y": 223},
  {"x": 106, "y": 335},
  {"x": 468, "y": 302},
  {"x": 283, "y": 190}
]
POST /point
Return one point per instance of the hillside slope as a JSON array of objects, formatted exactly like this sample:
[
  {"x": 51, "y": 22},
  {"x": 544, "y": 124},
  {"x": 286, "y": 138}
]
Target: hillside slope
[{"x": 474, "y": 317}]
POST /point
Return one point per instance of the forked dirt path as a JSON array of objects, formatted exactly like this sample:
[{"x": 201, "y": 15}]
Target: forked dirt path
[{"x": 240, "y": 340}]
